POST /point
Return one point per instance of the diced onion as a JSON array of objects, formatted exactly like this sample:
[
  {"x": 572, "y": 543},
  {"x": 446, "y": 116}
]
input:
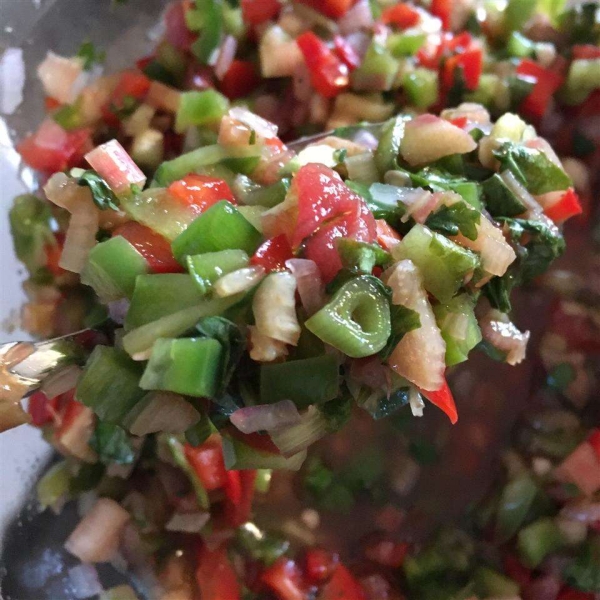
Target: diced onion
[
  {"x": 116, "y": 167},
  {"x": 309, "y": 283},
  {"x": 84, "y": 582},
  {"x": 274, "y": 307},
  {"x": 61, "y": 381},
  {"x": 60, "y": 77},
  {"x": 163, "y": 97},
  {"x": 226, "y": 55},
  {"x": 188, "y": 522},
  {"x": 475, "y": 113},
  {"x": 96, "y": 537},
  {"x": 295, "y": 438},
  {"x": 279, "y": 54},
  {"x": 420, "y": 354},
  {"x": 140, "y": 120},
  {"x": 416, "y": 402},
  {"x": 261, "y": 126},
  {"x": 166, "y": 412},
  {"x": 533, "y": 207},
  {"x": 362, "y": 168},
  {"x": 266, "y": 417},
  {"x": 498, "y": 330},
  {"x": 264, "y": 348},
  {"x": 238, "y": 281},
  {"x": 360, "y": 16}
]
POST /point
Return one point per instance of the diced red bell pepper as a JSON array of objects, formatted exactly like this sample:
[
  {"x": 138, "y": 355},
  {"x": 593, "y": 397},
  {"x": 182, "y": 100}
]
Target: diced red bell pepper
[
  {"x": 272, "y": 254},
  {"x": 568, "y": 206},
  {"x": 40, "y": 409},
  {"x": 215, "y": 576},
  {"x": 152, "y": 246},
  {"x": 585, "y": 52},
  {"x": 239, "y": 491},
  {"x": 346, "y": 52},
  {"x": 285, "y": 579},
  {"x": 68, "y": 411},
  {"x": 443, "y": 10},
  {"x": 328, "y": 74},
  {"x": 387, "y": 236},
  {"x": 459, "y": 122},
  {"x": 321, "y": 247},
  {"x": 319, "y": 565},
  {"x": 53, "y": 149},
  {"x": 387, "y": 553},
  {"x": 200, "y": 192},
  {"x": 207, "y": 462},
  {"x": 51, "y": 104},
  {"x": 571, "y": 594},
  {"x": 458, "y": 42},
  {"x": 342, "y": 585},
  {"x": 330, "y": 8},
  {"x": 594, "y": 440},
  {"x": 256, "y": 12},
  {"x": 471, "y": 63},
  {"x": 401, "y": 15},
  {"x": 516, "y": 571},
  {"x": 547, "y": 83},
  {"x": 240, "y": 80},
  {"x": 132, "y": 84},
  {"x": 444, "y": 400}
]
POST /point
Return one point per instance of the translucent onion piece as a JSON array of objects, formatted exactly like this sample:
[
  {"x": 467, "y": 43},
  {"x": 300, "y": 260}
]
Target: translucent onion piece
[
  {"x": 533, "y": 206},
  {"x": 295, "y": 438},
  {"x": 264, "y": 348},
  {"x": 188, "y": 522},
  {"x": 358, "y": 17},
  {"x": 309, "y": 283},
  {"x": 498, "y": 330},
  {"x": 279, "y": 54},
  {"x": 96, "y": 537},
  {"x": 238, "y": 281},
  {"x": 226, "y": 55},
  {"x": 59, "y": 76},
  {"x": 166, "y": 412},
  {"x": 61, "y": 381},
  {"x": 265, "y": 417}
]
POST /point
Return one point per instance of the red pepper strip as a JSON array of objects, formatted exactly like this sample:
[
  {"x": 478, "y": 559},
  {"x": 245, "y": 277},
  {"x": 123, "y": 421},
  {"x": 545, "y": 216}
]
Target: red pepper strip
[
  {"x": 272, "y": 254},
  {"x": 516, "y": 571},
  {"x": 585, "y": 51},
  {"x": 443, "y": 399},
  {"x": 342, "y": 585},
  {"x": 459, "y": 122},
  {"x": 547, "y": 83},
  {"x": 40, "y": 409},
  {"x": 401, "y": 15},
  {"x": 69, "y": 409},
  {"x": 387, "y": 236},
  {"x": 471, "y": 62},
  {"x": 256, "y": 12},
  {"x": 594, "y": 440},
  {"x": 285, "y": 579},
  {"x": 215, "y": 576},
  {"x": 207, "y": 462},
  {"x": 387, "y": 553},
  {"x": 346, "y": 53},
  {"x": 568, "y": 206},
  {"x": 330, "y": 8},
  {"x": 152, "y": 246},
  {"x": 239, "y": 490},
  {"x": 328, "y": 74},
  {"x": 443, "y": 10},
  {"x": 240, "y": 80},
  {"x": 319, "y": 564}
]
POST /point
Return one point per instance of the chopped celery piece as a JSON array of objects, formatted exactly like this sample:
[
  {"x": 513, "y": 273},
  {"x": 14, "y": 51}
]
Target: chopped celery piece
[
  {"x": 109, "y": 384},
  {"x": 112, "y": 268},
  {"x": 459, "y": 327},
  {"x": 470, "y": 192},
  {"x": 356, "y": 320},
  {"x": 183, "y": 165},
  {"x": 582, "y": 79},
  {"x": 405, "y": 44},
  {"x": 269, "y": 196},
  {"x": 537, "y": 540},
  {"x": 54, "y": 487},
  {"x": 189, "y": 366},
  {"x": 139, "y": 341},
  {"x": 519, "y": 46},
  {"x": 156, "y": 296},
  {"x": 421, "y": 87},
  {"x": 516, "y": 500},
  {"x": 178, "y": 453},
  {"x": 205, "y": 269},
  {"x": 362, "y": 256},
  {"x": 221, "y": 227},
  {"x": 307, "y": 381},
  {"x": 500, "y": 200},
  {"x": 377, "y": 71},
  {"x": 200, "y": 108},
  {"x": 442, "y": 263},
  {"x": 238, "y": 455},
  {"x": 491, "y": 584},
  {"x": 212, "y": 29},
  {"x": 386, "y": 155}
]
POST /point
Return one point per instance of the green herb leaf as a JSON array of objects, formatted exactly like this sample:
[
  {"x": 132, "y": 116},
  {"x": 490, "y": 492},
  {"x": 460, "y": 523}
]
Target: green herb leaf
[
  {"x": 104, "y": 198},
  {"x": 455, "y": 219},
  {"x": 584, "y": 573},
  {"x": 90, "y": 55},
  {"x": 262, "y": 546},
  {"x": 498, "y": 290},
  {"x": 561, "y": 377},
  {"x": 113, "y": 444},
  {"x": 362, "y": 256}
]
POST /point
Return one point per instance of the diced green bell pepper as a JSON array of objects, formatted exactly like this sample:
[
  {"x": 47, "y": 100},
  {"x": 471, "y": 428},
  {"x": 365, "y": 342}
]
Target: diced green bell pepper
[
  {"x": 405, "y": 44},
  {"x": 491, "y": 584},
  {"x": 515, "y": 502},
  {"x": 172, "y": 170},
  {"x": 386, "y": 155},
  {"x": 499, "y": 199},
  {"x": 205, "y": 269},
  {"x": 156, "y": 296},
  {"x": 307, "y": 381},
  {"x": 442, "y": 263},
  {"x": 188, "y": 366},
  {"x": 582, "y": 79},
  {"x": 221, "y": 227},
  {"x": 112, "y": 268},
  {"x": 200, "y": 108},
  {"x": 377, "y": 72},
  {"x": 269, "y": 196},
  {"x": 421, "y": 87},
  {"x": 537, "y": 540},
  {"x": 109, "y": 384},
  {"x": 519, "y": 46}
]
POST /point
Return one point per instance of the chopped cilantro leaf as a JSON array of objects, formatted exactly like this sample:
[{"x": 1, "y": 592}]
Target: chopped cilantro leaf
[
  {"x": 104, "y": 198},
  {"x": 455, "y": 219},
  {"x": 113, "y": 444},
  {"x": 90, "y": 55}
]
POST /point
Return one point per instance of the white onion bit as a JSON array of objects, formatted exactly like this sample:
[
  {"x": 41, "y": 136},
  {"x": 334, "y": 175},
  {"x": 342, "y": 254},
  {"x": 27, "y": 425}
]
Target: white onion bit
[{"x": 266, "y": 417}]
